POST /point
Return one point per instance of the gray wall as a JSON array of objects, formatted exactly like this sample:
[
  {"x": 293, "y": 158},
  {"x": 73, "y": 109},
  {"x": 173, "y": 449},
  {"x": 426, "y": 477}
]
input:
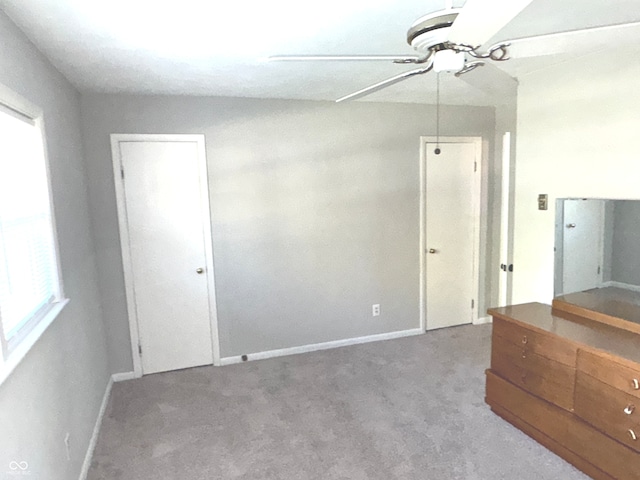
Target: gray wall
[
  {"x": 558, "y": 269},
  {"x": 625, "y": 266},
  {"x": 607, "y": 241},
  {"x": 59, "y": 385},
  {"x": 315, "y": 211}
]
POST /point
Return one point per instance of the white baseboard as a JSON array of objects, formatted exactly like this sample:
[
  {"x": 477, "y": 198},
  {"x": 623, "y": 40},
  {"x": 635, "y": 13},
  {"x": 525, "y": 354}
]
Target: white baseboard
[
  {"x": 123, "y": 376},
  {"x": 321, "y": 346},
  {"x": 483, "y": 320},
  {"x": 626, "y": 286},
  {"x": 116, "y": 377},
  {"x": 96, "y": 430}
]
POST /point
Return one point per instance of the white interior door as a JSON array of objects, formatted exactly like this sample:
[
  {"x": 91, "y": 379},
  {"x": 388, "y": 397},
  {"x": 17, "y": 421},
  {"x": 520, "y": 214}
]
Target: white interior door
[
  {"x": 451, "y": 229},
  {"x": 504, "y": 278},
  {"x": 167, "y": 242},
  {"x": 583, "y": 226}
]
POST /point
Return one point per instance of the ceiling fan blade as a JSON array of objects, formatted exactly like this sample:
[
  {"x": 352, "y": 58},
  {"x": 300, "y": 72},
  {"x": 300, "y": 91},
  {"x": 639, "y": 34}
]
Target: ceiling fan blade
[
  {"x": 480, "y": 20},
  {"x": 499, "y": 85},
  {"x": 342, "y": 58},
  {"x": 385, "y": 83},
  {"x": 575, "y": 41}
]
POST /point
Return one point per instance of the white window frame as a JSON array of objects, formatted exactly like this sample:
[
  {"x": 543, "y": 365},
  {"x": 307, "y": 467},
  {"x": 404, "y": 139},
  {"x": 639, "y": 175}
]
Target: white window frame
[{"x": 12, "y": 353}]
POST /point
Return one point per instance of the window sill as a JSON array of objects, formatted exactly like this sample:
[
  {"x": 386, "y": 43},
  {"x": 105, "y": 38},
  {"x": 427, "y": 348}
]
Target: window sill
[{"x": 15, "y": 357}]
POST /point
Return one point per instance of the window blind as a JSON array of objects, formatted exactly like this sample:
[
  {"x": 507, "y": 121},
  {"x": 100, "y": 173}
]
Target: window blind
[{"x": 28, "y": 266}]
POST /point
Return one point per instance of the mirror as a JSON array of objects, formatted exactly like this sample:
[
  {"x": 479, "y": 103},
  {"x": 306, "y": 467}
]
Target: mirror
[{"x": 597, "y": 244}]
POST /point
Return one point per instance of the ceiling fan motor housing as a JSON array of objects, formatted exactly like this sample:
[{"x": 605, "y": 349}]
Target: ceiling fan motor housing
[{"x": 431, "y": 30}]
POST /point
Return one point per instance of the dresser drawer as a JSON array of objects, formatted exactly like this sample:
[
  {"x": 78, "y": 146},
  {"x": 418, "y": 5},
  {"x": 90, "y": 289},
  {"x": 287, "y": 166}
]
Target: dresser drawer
[
  {"x": 543, "y": 344},
  {"x": 614, "y": 374},
  {"x": 609, "y": 410},
  {"x": 612, "y": 457},
  {"x": 539, "y": 375}
]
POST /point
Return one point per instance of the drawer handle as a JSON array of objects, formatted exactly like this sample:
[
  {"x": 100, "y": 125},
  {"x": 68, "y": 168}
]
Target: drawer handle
[
  {"x": 632, "y": 434},
  {"x": 525, "y": 340},
  {"x": 629, "y": 409},
  {"x": 635, "y": 384},
  {"x": 524, "y": 354}
]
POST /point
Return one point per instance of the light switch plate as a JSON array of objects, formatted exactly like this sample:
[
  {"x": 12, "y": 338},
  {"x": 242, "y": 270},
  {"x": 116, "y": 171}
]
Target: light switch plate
[{"x": 543, "y": 201}]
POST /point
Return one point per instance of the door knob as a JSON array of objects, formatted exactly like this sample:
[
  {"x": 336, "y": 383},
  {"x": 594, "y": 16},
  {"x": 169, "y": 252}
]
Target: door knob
[
  {"x": 432, "y": 250},
  {"x": 571, "y": 225},
  {"x": 200, "y": 270}
]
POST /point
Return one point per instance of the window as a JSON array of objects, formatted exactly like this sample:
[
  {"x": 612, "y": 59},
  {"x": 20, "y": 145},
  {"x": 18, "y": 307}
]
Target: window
[{"x": 30, "y": 287}]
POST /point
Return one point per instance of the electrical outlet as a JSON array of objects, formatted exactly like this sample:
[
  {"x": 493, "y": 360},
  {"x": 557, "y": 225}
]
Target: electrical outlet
[
  {"x": 67, "y": 444},
  {"x": 375, "y": 310}
]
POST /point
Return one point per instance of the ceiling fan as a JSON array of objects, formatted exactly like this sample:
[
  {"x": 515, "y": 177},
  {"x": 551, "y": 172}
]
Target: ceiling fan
[{"x": 451, "y": 40}]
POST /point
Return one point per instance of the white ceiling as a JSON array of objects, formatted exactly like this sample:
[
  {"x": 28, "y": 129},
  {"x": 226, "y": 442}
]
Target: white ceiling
[{"x": 205, "y": 47}]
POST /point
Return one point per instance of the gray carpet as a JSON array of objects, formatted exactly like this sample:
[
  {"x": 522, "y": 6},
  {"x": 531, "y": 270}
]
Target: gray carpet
[{"x": 411, "y": 408}]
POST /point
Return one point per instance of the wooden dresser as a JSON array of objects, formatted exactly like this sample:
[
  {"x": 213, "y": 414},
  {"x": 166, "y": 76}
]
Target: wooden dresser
[{"x": 571, "y": 383}]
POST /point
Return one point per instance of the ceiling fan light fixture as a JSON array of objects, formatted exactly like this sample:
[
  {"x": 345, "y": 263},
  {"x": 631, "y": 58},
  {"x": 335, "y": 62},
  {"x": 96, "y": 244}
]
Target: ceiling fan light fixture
[
  {"x": 449, "y": 40},
  {"x": 448, "y": 61}
]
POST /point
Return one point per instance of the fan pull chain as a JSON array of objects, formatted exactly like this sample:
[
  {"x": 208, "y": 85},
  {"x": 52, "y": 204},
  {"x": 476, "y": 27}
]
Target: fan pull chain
[{"x": 437, "y": 150}]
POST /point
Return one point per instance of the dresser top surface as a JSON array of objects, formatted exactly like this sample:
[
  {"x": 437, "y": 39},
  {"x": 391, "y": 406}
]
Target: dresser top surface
[
  {"x": 608, "y": 301},
  {"x": 574, "y": 328}
]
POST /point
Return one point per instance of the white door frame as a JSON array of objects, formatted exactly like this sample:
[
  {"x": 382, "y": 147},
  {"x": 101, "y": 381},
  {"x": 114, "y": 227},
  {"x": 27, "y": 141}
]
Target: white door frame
[
  {"x": 477, "y": 197},
  {"x": 116, "y": 138}
]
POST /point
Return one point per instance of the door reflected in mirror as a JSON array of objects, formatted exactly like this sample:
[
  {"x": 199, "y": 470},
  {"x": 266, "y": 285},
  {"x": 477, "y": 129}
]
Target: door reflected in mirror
[{"x": 597, "y": 244}]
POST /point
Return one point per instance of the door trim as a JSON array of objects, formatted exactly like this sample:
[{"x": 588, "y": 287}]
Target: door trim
[
  {"x": 477, "y": 197},
  {"x": 116, "y": 138}
]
